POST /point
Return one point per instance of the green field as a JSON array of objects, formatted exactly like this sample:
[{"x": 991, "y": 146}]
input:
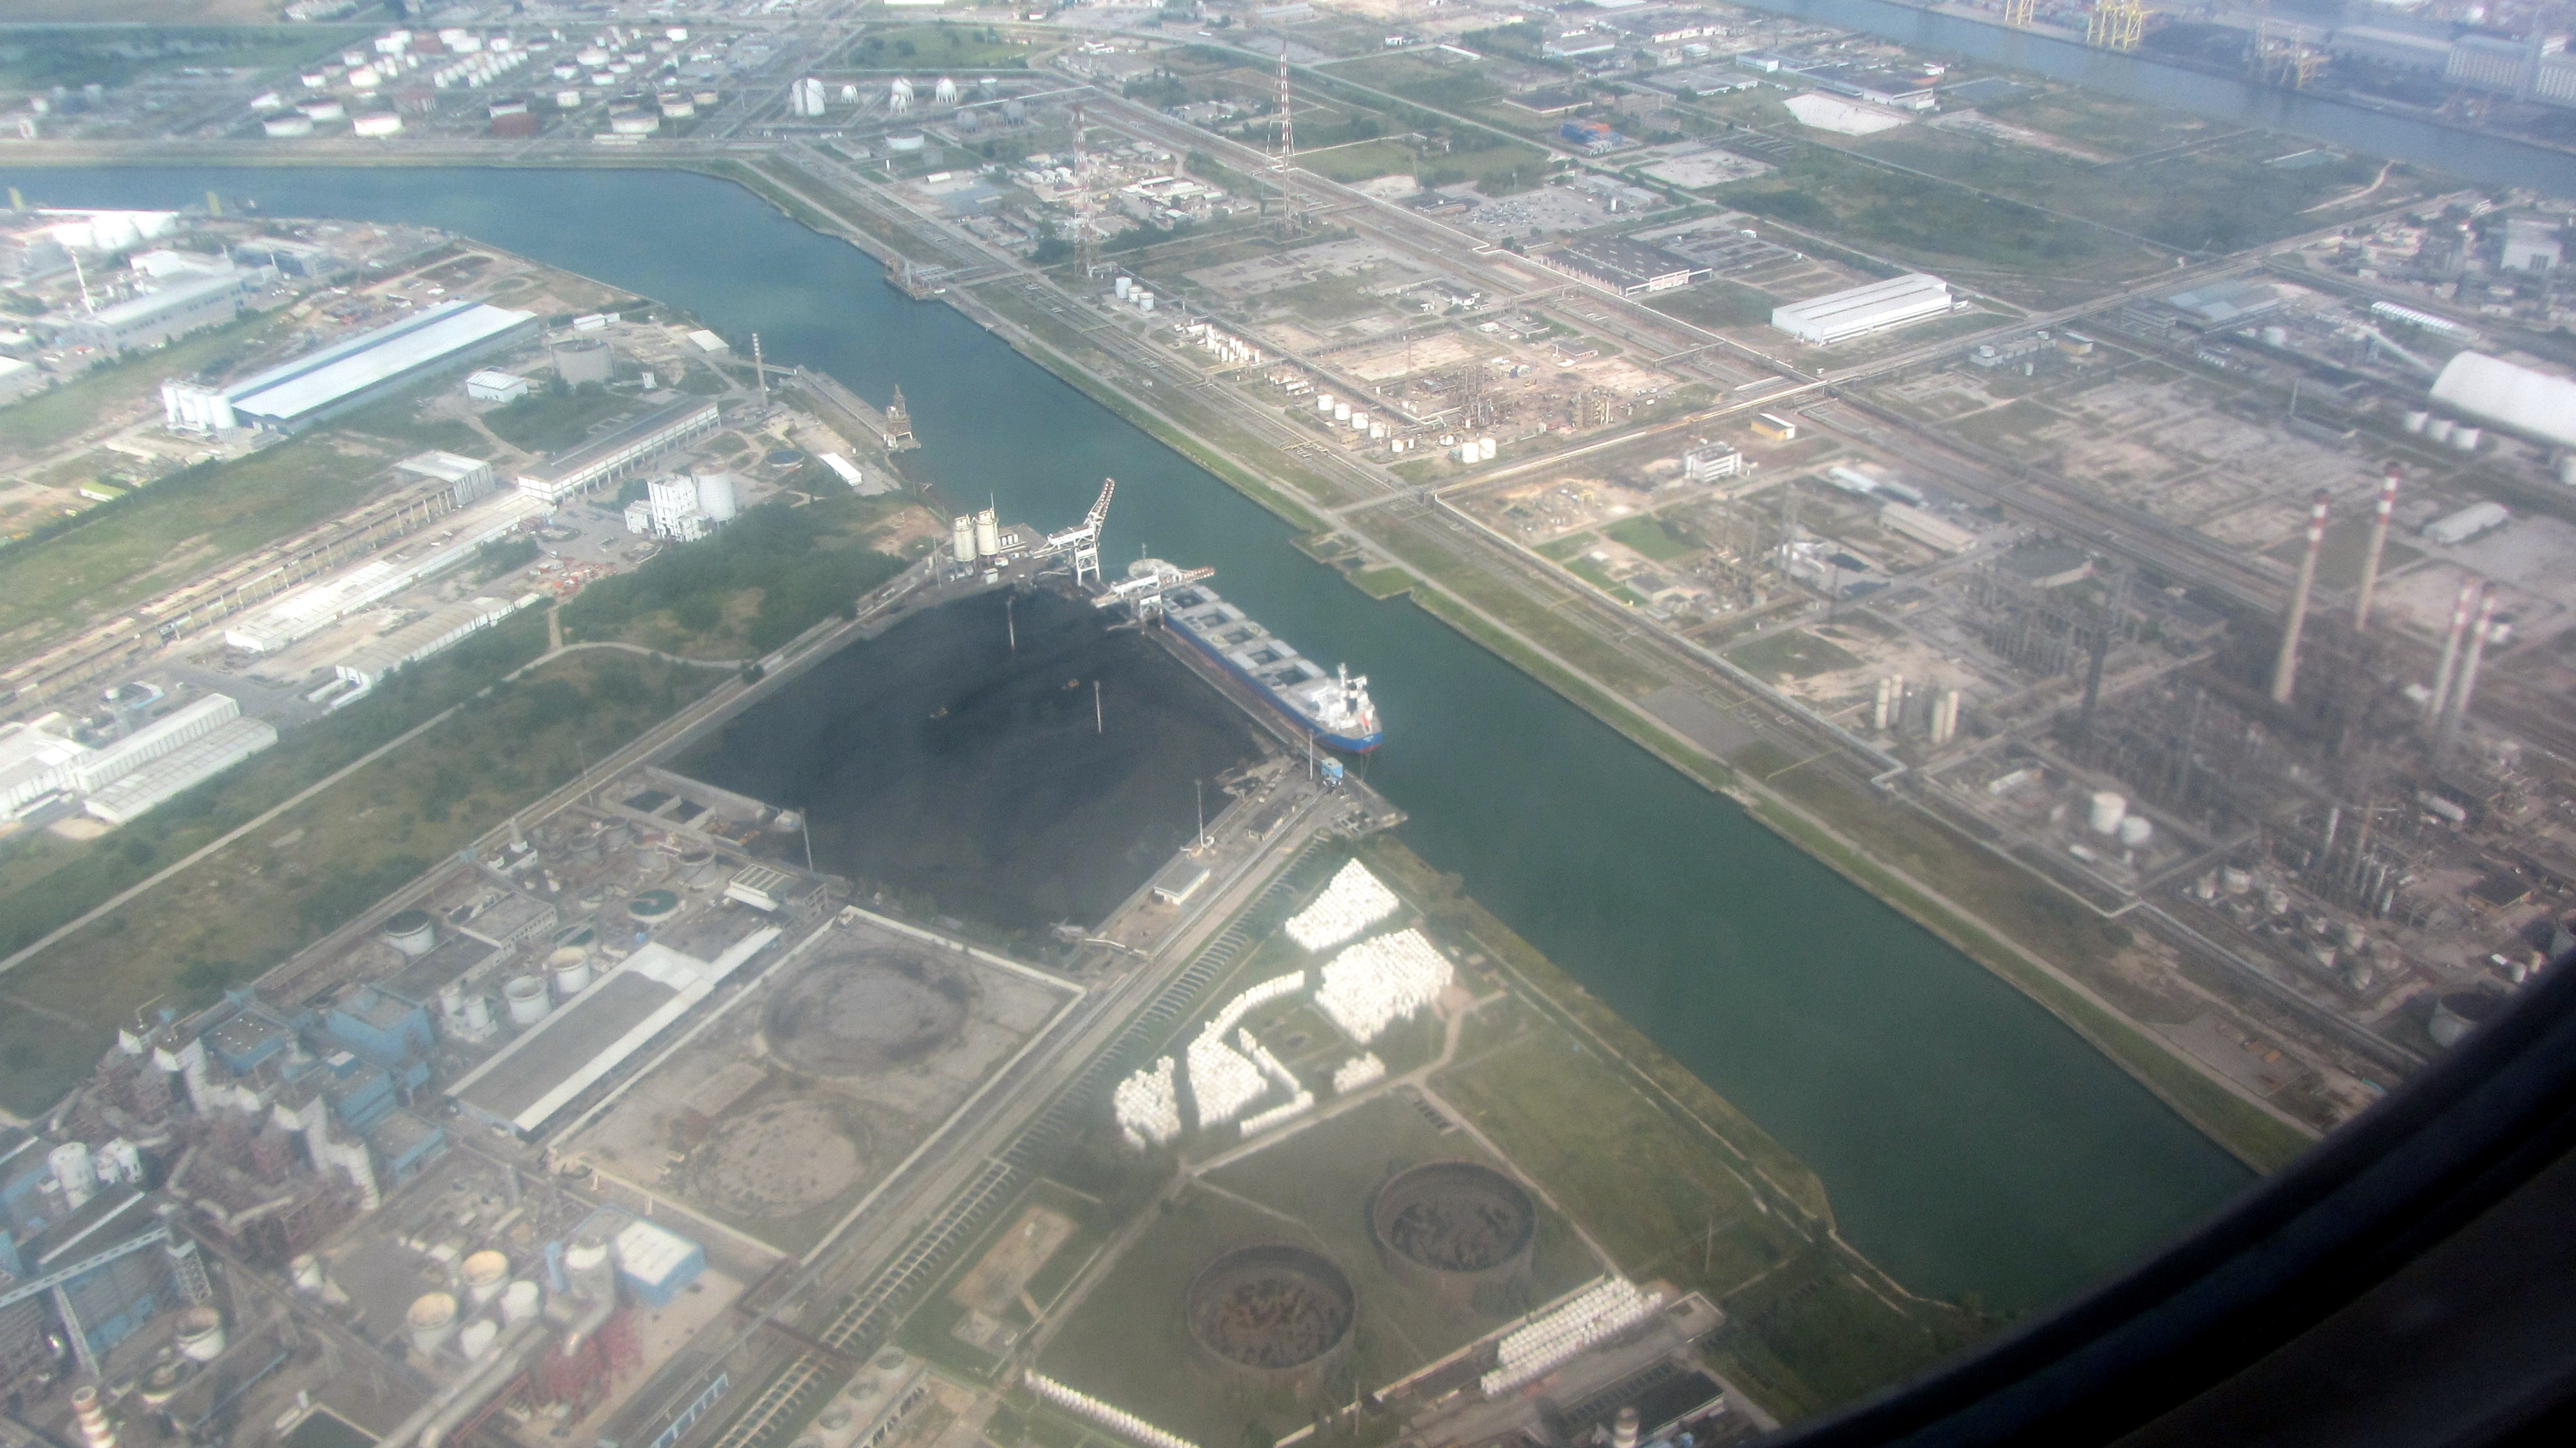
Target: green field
[
  {"x": 1653, "y": 537},
  {"x": 1791, "y": 654},
  {"x": 939, "y": 43},
  {"x": 118, "y": 554},
  {"x": 778, "y": 570}
]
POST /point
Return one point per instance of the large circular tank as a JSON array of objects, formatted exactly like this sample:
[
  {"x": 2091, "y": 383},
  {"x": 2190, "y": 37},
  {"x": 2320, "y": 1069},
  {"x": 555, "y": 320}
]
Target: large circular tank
[
  {"x": 716, "y": 496},
  {"x": 520, "y": 1301},
  {"x": 477, "y": 1337},
  {"x": 527, "y": 998},
  {"x": 486, "y": 1273},
  {"x": 570, "y": 968},
  {"x": 2460, "y": 1012},
  {"x": 653, "y": 904},
  {"x": 905, "y": 142},
  {"x": 1276, "y": 1313},
  {"x": 2107, "y": 810},
  {"x": 1451, "y": 1228},
  {"x": 583, "y": 359},
  {"x": 413, "y": 932},
  {"x": 431, "y": 1322}
]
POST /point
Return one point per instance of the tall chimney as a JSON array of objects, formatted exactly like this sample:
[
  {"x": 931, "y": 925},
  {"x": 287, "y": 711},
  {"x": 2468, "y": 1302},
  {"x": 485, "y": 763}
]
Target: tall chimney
[
  {"x": 2285, "y": 669},
  {"x": 2459, "y": 707},
  {"x": 2378, "y": 545},
  {"x": 94, "y": 1427},
  {"x": 2460, "y": 610}
]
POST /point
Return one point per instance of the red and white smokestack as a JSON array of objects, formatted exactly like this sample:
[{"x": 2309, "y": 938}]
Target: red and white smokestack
[
  {"x": 2378, "y": 545},
  {"x": 2459, "y": 710},
  {"x": 96, "y": 1432},
  {"x": 2461, "y": 609},
  {"x": 2285, "y": 669}
]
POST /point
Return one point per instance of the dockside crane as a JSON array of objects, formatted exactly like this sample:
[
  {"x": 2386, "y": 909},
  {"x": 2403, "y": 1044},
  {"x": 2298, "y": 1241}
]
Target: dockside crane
[
  {"x": 1147, "y": 580},
  {"x": 1082, "y": 541}
]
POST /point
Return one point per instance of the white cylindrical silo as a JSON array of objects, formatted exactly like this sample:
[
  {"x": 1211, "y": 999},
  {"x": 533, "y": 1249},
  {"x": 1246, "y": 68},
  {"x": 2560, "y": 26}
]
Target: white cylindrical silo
[
  {"x": 1324, "y": 403},
  {"x": 478, "y": 1013},
  {"x": 520, "y": 1301},
  {"x": 1341, "y": 412},
  {"x": 1122, "y": 286},
  {"x": 570, "y": 969},
  {"x": 431, "y": 1322},
  {"x": 527, "y": 998},
  {"x": 486, "y": 1273},
  {"x": 961, "y": 539},
  {"x": 988, "y": 533},
  {"x": 716, "y": 496},
  {"x": 2106, "y": 811},
  {"x": 200, "y": 1338},
  {"x": 2136, "y": 830},
  {"x": 477, "y": 1337},
  {"x": 1144, "y": 301}
]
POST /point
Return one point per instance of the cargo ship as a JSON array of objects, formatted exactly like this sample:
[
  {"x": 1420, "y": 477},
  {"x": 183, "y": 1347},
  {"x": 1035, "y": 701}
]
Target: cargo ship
[{"x": 1333, "y": 707}]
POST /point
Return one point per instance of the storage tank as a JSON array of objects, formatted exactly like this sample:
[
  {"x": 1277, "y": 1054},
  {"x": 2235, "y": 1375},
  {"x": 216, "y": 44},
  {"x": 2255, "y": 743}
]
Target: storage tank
[
  {"x": 200, "y": 1338},
  {"x": 2136, "y": 830},
  {"x": 477, "y": 1337},
  {"x": 988, "y": 534},
  {"x": 2461, "y": 1012},
  {"x": 2107, "y": 810},
  {"x": 903, "y": 142},
  {"x": 583, "y": 359},
  {"x": 486, "y": 1273},
  {"x": 2414, "y": 421},
  {"x": 1485, "y": 449},
  {"x": 587, "y": 1264},
  {"x": 520, "y": 1301},
  {"x": 570, "y": 968},
  {"x": 527, "y": 997},
  {"x": 412, "y": 932},
  {"x": 431, "y": 1322},
  {"x": 2440, "y": 429},
  {"x": 478, "y": 1014},
  {"x": 1144, "y": 301},
  {"x": 1324, "y": 403},
  {"x": 567, "y": 100},
  {"x": 2567, "y": 469},
  {"x": 1341, "y": 412},
  {"x": 1122, "y": 286},
  {"x": 716, "y": 496},
  {"x": 73, "y": 1172},
  {"x": 961, "y": 538},
  {"x": 2466, "y": 439}
]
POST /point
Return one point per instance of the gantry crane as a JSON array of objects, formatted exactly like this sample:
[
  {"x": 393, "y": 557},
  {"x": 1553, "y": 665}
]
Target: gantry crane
[
  {"x": 2116, "y": 24},
  {"x": 1082, "y": 541}
]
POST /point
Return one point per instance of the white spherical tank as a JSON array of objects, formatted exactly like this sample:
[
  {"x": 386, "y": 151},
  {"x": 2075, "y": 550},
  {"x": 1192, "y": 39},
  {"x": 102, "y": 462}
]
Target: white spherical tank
[
  {"x": 200, "y": 1338},
  {"x": 2106, "y": 811},
  {"x": 2136, "y": 830},
  {"x": 716, "y": 496},
  {"x": 570, "y": 968},
  {"x": 431, "y": 1321},
  {"x": 527, "y": 998}
]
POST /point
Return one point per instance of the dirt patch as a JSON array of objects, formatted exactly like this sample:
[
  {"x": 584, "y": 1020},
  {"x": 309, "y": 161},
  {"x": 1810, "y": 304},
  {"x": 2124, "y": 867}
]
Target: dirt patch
[
  {"x": 779, "y": 1159},
  {"x": 858, "y": 1015}
]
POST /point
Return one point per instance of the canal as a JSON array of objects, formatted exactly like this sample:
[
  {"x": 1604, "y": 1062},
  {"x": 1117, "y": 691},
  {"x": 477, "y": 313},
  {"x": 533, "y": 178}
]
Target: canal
[{"x": 1972, "y": 1144}]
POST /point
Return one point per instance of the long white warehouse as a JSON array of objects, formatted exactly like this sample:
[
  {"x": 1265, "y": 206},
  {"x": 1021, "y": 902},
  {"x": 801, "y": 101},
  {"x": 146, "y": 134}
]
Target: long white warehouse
[
  {"x": 2509, "y": 395},
  {"x": 349, "y": 372},
  {"x": 155, "y": 784},
  {"x": 309, "y": 610},
  {"x": 1838, "y": 316},
  {"x": 107, "y": 764}
]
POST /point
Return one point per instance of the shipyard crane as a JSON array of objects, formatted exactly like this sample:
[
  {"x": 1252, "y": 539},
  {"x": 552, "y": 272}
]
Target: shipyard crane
[
  {"x": 1148, "y": 579},
  {"x": 1082, "y": 540}
]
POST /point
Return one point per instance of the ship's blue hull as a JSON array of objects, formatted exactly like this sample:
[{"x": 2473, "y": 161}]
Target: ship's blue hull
[{"x": 1348, "y": 744}]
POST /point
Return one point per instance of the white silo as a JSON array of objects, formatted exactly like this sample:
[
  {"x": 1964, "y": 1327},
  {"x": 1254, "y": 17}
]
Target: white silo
[
  {"x": 945, "y": 93},
  {"x": 486, "y": 1273},
  {"x": 961, "y": 538},
  {"x": 1122, "y": 285},
  {"x": 1341, "y": 412},
  {"x": 431, "y": 1322},
  {"x": 2136, "y": 830},
  {"x": 2106, "y": 811},
  {"x": 988, "y": 533},
  {"x": 716, "y": 497},
  {"x": 520, "y": 1301},
  {"x": 570, "y": 968},
  {"x": 477, "y": 1337},
  {"x": 528, "y": 1000}
]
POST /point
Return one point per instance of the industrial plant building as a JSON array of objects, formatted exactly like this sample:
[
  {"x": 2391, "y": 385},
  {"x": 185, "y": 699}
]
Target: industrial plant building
[
  {"x": 351, "y": 372},
  {"x": 1859, "y": 311},
  {"x": 157, "y": 316},
  {"x": 2534, "y": 403},
  {"x": 314, "y": 607},
  {"x": 1630, "y": 268},
  {"x": 620, "y": 452},
  {"x": 41, "y": 764}
]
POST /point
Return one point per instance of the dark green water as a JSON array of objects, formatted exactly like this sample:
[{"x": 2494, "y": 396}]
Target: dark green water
[{"x": 1971, "y": 1143}]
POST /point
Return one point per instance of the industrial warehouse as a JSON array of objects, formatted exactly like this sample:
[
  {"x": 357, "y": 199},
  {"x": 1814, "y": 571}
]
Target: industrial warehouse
[{"x": 352, "y": 372}]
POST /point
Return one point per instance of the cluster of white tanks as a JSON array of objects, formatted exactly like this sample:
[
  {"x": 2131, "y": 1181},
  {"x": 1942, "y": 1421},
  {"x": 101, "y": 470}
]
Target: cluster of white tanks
[
  {"x": 528, "y": 997},
  {"x": 2462, "y": 436},
  {"x": 1127, "y": 289},
  {"x": 1600, "y": 1311},
  {"x": 1471, "y": 449},
  {"x": 975, "y": 535},
  {"x": 1356, "y": 418},
  {"x": 1378, "y": 982},
  {"x": 1228, "y": 348},
  {"x": 2107, "y": 813},
  {"x": 480, "y": 1300}
]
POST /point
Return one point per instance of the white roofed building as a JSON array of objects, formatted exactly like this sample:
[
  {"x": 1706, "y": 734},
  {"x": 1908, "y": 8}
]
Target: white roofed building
[
  {"x": 2537, "y": 404},
  {"x": 1858, "y": 311}
]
